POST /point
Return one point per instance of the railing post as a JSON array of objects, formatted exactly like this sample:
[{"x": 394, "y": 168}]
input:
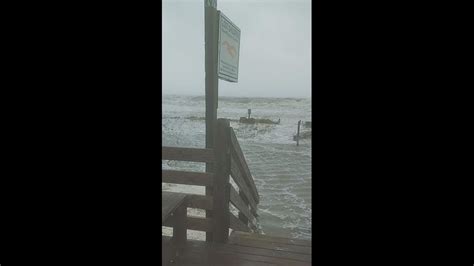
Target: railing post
[
  {"x": 179, "y": 230},
  {"x": 221, "y": 193}
]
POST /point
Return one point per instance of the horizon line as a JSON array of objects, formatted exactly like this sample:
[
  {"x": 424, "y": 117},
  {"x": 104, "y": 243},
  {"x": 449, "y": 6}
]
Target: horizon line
[{"x": 203, "y": 95}]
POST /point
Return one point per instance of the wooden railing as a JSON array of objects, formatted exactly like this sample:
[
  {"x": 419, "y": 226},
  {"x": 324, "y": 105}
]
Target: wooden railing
[
  {"x": 191, "y": 178},
  {"x": 247, "y": 198},
  {"x": 228, "y": 161}
]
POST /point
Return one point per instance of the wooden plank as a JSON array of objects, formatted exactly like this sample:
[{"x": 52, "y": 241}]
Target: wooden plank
[
  {"x": 277, "y": 255},
  {"x": 243, "y": 165},
  {"x": 236, "y": 224},
  {"x": 208, "y": 256},
  {"x": 248, "y": 242},
  {"x": 187, "y": 178},
  {"x": 241, "y": 206},
  {"x": 221, "y": 194},
  {"x": 199, "y": 201},
  {"x": 187, "y": 154},
  {"x": 237, "y": 176},
  {"x": 242, "y": 217},
  {"x": 170, "y": 201},
  {"x": 194, "y": 223},
  {"x": 275, "y": 239}
]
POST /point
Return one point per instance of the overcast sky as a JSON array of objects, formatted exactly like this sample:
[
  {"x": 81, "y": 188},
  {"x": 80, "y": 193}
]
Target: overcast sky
[{"x": 275, "y": 47}]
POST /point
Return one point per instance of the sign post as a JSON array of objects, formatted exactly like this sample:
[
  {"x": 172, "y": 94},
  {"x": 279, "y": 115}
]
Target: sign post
[
  {"x": 222, "y": 48},
  {"x": 210, "y": 39}
]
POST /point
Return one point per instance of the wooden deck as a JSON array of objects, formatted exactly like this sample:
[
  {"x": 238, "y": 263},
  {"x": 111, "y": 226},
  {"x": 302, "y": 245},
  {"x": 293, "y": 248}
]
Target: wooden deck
[
  {"x": 244, "y": 246},
  {"x": 241, "y": 249}
]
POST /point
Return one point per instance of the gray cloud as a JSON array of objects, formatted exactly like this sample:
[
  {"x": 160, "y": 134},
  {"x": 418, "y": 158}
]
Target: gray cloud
[{"x": 275, "y": 47}]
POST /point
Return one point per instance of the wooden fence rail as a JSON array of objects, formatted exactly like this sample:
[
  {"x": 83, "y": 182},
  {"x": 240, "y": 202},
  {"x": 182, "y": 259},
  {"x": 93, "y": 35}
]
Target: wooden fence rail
[
  {"x": 229, "y": 161},
  {"x": 188, "y": 154},
  {"x": 243, "y": 166}
]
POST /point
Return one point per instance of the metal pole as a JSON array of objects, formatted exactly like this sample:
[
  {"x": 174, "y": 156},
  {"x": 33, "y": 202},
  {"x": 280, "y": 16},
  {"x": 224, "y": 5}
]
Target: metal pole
[{"x": 210, "y": 38}]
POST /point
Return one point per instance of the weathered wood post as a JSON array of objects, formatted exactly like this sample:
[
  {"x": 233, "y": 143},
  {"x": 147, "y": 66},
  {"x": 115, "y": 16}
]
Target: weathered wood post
[
  {"x": 249, "y": 111},
  {"x": 221, "y": 191},
  {"x": 210, "y": 39},
  {"x": 213, "y": 19},
  {"x": 298, "y": 134}
]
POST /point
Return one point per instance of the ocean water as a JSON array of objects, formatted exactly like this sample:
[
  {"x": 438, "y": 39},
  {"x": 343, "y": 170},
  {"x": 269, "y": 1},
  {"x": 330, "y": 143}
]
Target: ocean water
[{"x": 281, "y": 170}]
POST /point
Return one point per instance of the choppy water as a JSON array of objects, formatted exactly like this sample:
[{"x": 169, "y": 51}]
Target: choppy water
[{"x": 281, "y": 170}]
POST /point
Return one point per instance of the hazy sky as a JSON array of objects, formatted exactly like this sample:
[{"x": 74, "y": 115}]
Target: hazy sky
[{"x": 275, "y": 47}]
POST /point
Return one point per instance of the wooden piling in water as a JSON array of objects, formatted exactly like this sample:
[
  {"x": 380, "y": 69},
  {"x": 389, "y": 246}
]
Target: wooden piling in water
[{"x": 298, "y": 134}]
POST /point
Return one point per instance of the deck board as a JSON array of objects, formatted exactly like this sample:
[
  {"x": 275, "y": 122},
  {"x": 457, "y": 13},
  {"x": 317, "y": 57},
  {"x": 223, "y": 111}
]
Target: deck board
[
  {"x": 246, "y": 249},
  {"x": 272, "y": 246},
  {"x": 270, "y": 238}
]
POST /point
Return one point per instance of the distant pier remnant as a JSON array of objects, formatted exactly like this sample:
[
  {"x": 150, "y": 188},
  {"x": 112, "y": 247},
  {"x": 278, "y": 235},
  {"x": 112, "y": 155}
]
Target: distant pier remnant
[
  {"x": 298, "y": 134},
  {"x": 249, "y": 120},
  {"x": 246, "y": 120}
]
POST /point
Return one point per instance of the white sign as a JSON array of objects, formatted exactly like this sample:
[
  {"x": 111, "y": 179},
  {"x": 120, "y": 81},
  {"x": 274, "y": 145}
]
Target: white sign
[{"x": 229, "y": 48}]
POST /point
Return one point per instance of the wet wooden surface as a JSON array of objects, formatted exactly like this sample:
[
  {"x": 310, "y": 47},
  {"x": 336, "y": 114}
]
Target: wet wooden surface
[{"x": 245, "y": 249}]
